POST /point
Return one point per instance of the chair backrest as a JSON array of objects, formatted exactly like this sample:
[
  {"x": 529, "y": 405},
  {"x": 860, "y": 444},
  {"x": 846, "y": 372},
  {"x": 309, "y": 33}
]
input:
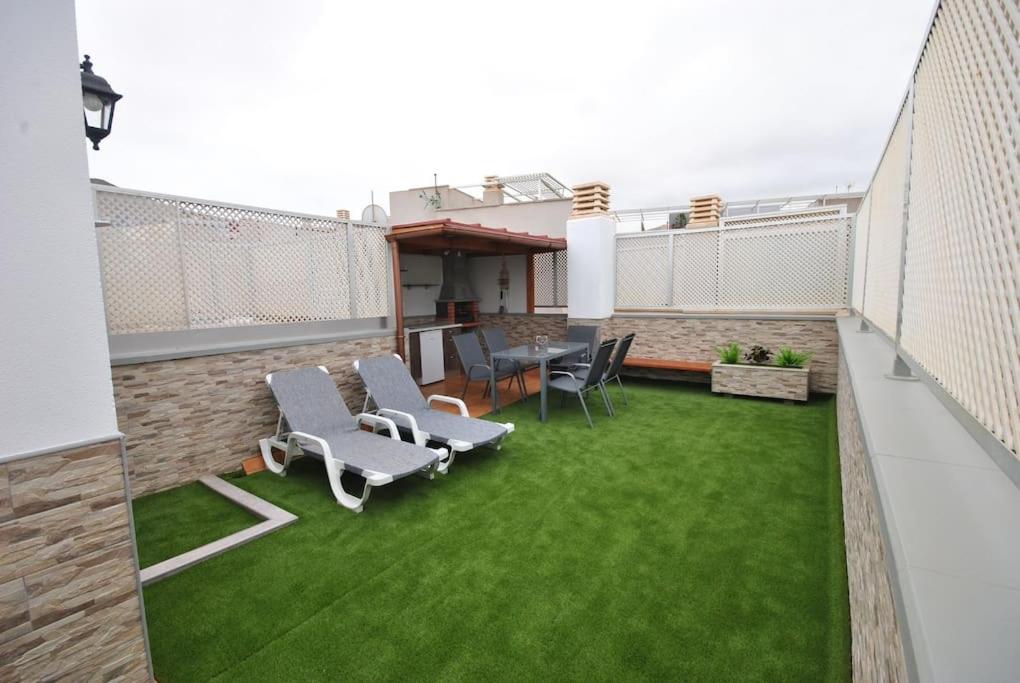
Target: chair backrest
[
  {"x": 621, "y": 355},
  {"x": 310, "y": 401},
  {"x": 589, "y": 334},
  {"x": 495, "y": 339},
  {"x": 599, "y": 363},
  {"x": 469, "y": 350},
  {"x": 390, "y": 384}
]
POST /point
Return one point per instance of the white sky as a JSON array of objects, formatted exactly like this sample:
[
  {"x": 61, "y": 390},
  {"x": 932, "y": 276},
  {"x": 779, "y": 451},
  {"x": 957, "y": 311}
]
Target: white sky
[{"x": 308, "y": 106}]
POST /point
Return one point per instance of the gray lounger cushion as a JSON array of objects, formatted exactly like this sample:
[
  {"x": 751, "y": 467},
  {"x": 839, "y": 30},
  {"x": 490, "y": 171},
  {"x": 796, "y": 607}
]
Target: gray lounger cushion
[
  {"x": 311, "y": 403},
  {"x": 392, "y": 386}
]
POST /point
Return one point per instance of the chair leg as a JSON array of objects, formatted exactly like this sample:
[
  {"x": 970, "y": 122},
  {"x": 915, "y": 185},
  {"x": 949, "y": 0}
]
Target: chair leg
[
  {"x": 467, "y": 383},
  {"x": 584, "y": 405},
  {"x": 523, "y": 386},
  {"x": 625, "y": 401},
  {"x": 485, "y": 391},
  {"x": 563, "y": 399},
  {"x": 606, "y": 400}
]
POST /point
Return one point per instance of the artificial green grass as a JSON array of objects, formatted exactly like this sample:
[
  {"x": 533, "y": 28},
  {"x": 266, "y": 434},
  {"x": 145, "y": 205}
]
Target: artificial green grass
[
  {"x": 692, "y": 536},
  {"x": 173, "y": 522}
]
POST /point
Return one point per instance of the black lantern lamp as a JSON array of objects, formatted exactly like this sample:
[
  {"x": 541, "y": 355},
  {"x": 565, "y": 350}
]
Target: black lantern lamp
[{"x": 99, "y": 100}]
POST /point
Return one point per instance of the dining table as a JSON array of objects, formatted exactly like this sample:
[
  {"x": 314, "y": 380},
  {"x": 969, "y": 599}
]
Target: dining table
[{"x": 534, "y": 354}]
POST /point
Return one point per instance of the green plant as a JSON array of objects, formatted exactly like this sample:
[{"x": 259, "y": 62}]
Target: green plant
[
  {"x": 758, "y": 355},
  {"x": 788, "y": 358},
  {"x": 729, "y": 354}
]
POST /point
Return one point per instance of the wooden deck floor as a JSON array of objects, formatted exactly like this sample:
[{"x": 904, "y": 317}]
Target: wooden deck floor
[{"x": 477, "y": 406}]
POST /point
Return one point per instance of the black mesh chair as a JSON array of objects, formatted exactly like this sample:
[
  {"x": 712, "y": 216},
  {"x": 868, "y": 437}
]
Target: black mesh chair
[
  {"x": 589, "y": 334},
  {"x": 572, "y": 384},
  {"x": 613, "y": 373},
  {"x": 495, "y": 339},
  {"x": 469, "y": 350}
]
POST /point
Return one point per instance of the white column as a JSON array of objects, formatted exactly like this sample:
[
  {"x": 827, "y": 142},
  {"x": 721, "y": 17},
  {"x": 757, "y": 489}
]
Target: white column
[
  {"x": 591, "y": 266},
  {"x": 56, "y": 388}
]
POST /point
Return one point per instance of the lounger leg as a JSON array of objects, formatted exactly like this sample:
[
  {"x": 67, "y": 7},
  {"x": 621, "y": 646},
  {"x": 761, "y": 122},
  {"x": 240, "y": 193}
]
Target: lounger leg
[
  {"x": 290, "y": 450},
  {"x": 625, "y": 401},
  {"x": 333, "y": 472},
  {"x": 584, "y": 405}
]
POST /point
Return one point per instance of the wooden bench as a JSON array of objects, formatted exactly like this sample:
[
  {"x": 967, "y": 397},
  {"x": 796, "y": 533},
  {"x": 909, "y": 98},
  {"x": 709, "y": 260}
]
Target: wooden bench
[{"x": 660, "y": 364}]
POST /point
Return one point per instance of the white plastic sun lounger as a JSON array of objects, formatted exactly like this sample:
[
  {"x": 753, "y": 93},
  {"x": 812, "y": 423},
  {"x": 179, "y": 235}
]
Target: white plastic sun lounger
[
  {"x": 315, "y": 421},
  {"x": 397, "y": 397}
]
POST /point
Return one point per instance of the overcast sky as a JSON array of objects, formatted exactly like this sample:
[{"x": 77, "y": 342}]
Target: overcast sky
[{"x": 309, "y": 105}]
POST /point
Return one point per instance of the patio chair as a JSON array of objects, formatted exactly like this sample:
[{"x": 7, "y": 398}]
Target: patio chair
[
  {"x": 589, "y": 334},
  {"x": 315, "y": 421},
  {"x": 495, "y": 339},
  {"x": 397, "y": 397},
  {"x": 613, "y": 373},
  {"x": 469, "y": 350},
  {"x": 568, "y": 383}
]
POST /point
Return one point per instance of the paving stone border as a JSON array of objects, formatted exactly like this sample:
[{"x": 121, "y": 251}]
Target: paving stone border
[{"x": 273, "y": 518}]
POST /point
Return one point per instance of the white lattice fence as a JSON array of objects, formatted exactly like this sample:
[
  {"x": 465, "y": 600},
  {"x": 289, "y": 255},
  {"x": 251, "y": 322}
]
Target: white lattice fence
[
  {"x": 551, "y": 279},
  {"x": 886, "y": 198},
  {"x": 961, "y": 300},
  {"x": 171, "y": 263},
  {"x": 800, "y": 265}
]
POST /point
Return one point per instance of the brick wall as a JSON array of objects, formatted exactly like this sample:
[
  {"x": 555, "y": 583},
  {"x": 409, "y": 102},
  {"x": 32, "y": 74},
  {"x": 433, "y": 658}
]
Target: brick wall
[
  {"x": 521, "y": 328},
  {"x": 69, "y": 602},
  {"x": 698, "y": 338},
  {"x": 876, "y": 652},
  {"x": 194, "y": 416}
]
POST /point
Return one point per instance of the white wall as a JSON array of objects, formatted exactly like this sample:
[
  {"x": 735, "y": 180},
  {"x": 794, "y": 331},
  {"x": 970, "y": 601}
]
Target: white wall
[
  {"x": 421, "y": 269},
  {"x": 55, "y": 385},
  {"x": 484, "y": 274},
  {"x": 541, "y": 218}
]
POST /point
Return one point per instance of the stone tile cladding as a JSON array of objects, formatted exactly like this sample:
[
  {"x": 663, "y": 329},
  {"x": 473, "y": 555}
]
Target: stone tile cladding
[
  {"x": 69, "y": 602},
  {"x": 698, "y": 338},
  {"x": 522, "y": 328},
  {"x": 877, "y": 651},
  {"x": 747, "y": 380},
  {"x": 190, "y": 417}
]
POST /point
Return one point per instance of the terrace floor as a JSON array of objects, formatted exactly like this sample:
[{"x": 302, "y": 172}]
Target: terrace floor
[{"x": 692, "y": 536}]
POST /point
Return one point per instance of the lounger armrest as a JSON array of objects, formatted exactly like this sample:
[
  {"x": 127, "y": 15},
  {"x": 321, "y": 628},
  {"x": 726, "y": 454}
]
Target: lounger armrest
[
  {"x": 577, "y": 383},
  {"x": 379, "y": 421},
  {"x": 452, "y": 401},
  {"x": 407, "y": 421}
]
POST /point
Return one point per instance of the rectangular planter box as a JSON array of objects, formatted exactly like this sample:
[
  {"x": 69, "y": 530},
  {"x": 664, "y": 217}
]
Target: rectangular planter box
[{"x": 760, "y": 380}]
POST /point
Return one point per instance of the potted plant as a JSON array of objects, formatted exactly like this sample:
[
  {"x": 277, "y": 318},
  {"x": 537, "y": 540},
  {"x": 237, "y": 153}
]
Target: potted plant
[{"x": 752, "y": 374}]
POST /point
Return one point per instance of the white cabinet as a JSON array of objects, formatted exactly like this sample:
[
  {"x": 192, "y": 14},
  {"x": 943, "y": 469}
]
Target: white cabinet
[{"x": 430, "y": 349}]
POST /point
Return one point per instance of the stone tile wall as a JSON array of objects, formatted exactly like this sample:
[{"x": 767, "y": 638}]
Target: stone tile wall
[
  {"x": 522, "y": 328},
  {"x": 194, "y": 416},
  {"x": 69, "y": 602},
  {"x": 877, "y": 651},
  {"x": 750, "y": 380},
  {"x": 697, "y": 339}
]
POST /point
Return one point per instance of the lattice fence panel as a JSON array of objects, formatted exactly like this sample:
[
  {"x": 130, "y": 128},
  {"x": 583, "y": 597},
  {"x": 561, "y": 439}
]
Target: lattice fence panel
[
  {"x": 695, "y": 270},
  {"x": 140, "y": 295},
  {"x": 373, "y": 282},
  {"x": 551, "y": 279},
  {"x": 171, "y": 263},
  {"x": 887, "y": 195},
  {"x": 860, "y": 254},
  {"x": 643, "y": 272},
  {"x": 961, "y": 302},
  {"x": 800, "y": 267}
]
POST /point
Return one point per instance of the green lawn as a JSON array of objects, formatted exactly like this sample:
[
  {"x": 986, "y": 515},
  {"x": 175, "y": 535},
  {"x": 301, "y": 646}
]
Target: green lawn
[
  {"x": 175, "y": 521},
  {"x": 692, "y": 536}
]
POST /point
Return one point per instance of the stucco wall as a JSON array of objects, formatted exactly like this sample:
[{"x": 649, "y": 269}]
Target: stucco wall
[
  {"x": 186, "y": 418},
  {"x": 56, "y": 377}
]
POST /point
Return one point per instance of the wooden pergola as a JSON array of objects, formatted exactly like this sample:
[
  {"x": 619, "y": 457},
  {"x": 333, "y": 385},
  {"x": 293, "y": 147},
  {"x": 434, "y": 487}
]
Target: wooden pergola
[{"x": 443, "y": 235}]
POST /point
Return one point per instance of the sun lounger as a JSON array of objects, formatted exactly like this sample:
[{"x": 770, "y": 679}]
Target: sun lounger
[
  {"x": 315, "y": 421},
  {"x": 396, "y": 396}
]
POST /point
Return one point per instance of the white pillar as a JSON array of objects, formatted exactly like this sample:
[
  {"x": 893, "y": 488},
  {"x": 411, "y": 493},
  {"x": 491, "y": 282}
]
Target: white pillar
[
  {"x": 591, "y": 266},
  {"x": 56, "y": 382}
]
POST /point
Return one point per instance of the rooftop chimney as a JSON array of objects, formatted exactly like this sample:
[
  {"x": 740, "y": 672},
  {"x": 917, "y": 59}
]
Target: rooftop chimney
[
  {"x": 343, "y": 214},
  {"x": 590, "y": 199},
  {"x": 492, "y": 192},
  {"x": 705, "y": 211}
]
